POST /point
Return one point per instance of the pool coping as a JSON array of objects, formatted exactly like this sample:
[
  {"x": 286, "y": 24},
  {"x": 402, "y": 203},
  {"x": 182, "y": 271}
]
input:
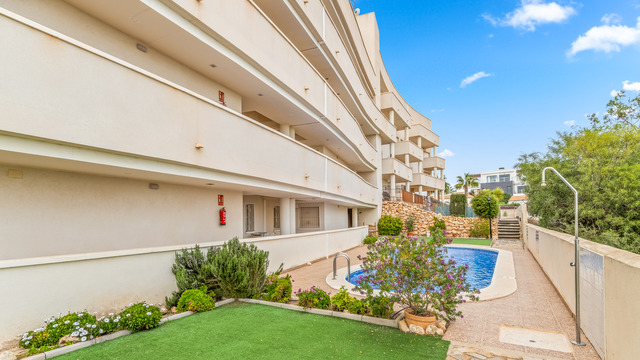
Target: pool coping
[{"x": 503, "y": 282}]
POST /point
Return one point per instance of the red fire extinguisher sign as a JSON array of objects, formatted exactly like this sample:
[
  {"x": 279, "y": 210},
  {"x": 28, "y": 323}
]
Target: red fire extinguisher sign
[{"x": 223, "y": 216}]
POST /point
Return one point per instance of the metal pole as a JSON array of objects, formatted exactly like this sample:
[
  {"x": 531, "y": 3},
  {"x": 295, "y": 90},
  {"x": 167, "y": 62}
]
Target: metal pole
[{"x": 576, "y": 262}]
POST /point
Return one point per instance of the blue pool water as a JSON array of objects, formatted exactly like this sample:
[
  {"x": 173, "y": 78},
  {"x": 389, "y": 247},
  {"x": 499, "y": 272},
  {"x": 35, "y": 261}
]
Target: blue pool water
[{"x": 481, "y": 265}]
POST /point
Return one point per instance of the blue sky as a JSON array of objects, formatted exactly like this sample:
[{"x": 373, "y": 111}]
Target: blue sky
[{"x": 532, "y": 68}]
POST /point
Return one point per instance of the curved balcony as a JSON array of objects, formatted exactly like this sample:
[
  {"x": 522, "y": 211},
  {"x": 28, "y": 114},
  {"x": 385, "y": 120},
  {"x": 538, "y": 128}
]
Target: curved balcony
[
  {"x": 403, "y": 148},
  {"x": 78, "y": 98},
  {"x": 430, "y": 183},
  {"x": 428, "y": 137},
  {"x": 389, "y": 101},
  {"x": 433, "y": 162},
  {"x": 391, "y": 166}
]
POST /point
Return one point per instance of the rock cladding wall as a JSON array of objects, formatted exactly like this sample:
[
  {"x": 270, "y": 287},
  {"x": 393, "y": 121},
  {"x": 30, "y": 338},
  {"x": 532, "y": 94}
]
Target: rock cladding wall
[{"x": 457, "y": 226}]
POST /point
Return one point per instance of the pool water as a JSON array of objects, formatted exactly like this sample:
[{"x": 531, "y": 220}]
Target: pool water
[{"x": 481, "y": 265}]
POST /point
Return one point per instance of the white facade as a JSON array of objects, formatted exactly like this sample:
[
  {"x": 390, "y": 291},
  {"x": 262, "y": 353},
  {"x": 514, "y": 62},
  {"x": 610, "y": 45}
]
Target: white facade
[
  {"x": 506, "y": 179},
  {"x": 128, "y": 125}
]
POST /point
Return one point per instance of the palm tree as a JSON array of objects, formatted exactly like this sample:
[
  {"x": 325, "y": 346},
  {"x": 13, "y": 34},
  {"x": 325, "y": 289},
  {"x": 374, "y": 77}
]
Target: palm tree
[{"x": 466, "y": 181}]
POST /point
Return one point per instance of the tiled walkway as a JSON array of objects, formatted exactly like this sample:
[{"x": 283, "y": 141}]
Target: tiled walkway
[{"x": 535, "y": 305}]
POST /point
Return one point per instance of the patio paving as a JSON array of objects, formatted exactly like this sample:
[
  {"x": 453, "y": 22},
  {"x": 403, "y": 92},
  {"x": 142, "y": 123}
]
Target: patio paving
[{"x": 535, "y": 307}]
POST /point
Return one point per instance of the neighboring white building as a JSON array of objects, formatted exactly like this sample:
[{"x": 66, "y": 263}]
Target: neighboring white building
[
  {"x": 506, "y": 179},
  {"x": 127, "y": 126}
]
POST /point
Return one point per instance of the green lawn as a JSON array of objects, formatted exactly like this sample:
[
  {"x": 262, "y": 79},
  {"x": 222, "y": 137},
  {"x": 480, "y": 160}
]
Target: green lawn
[
  {"x": 466, "y": 241},
  {"x": 251, "y": 331}
]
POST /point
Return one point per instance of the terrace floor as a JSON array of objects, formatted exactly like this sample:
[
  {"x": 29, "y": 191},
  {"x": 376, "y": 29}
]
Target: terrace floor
[{"x": 524, "y": 317}]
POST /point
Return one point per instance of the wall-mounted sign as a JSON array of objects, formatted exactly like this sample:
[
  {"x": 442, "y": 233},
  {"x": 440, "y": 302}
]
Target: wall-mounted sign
[
  {"x": 221, "y": 96},
  {"x": 220, "y": 200}
]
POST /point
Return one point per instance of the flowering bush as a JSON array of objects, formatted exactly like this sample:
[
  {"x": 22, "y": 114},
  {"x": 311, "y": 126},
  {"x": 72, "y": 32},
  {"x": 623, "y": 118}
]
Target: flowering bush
[
  {"x": 417, "y": 273},
  {"x": 357, "y": 306},
  {"x": 196, "y": 300},
  {"x": 277, "y": 289},
  {"x": 314, "y": 298},
  {"x": 140, "y": 316},
  {"x": 75, "y": 324}
]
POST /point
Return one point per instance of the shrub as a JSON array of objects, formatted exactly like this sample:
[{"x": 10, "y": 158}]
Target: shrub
[
  {"x": 189, "y": 272},
  {"x": 458, "y": 205},
  {"x": 240, "y": 270},
  {"x": 370, "y": 240},
  {"x": 196, "y": 300},
  {"x": 438, "y": 226},
  {"x": 356, "y": 306},
  {"x": 409, "y": 223},
  {"x": 76, "y": 324},
  {"x": 380, "y": 306},
  {"x": 481, "y": 207},
  {"x": 341, "y": 300},
  {"x": 479, "y": 229},
  {"x": 506, "y": 197},
  {"x": 389, "y": 225},
  {"x": 140, "y": 316},
  {"x": 314, "y": 298},
  {"x": 278, "y": 289},
  {"x": 417, "y": 273}
]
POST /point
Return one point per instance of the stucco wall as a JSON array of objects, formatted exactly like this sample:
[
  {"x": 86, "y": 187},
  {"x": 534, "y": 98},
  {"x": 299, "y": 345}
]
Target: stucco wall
[
  {"x": 34, "y": 289},
  {"x": 609, "y": 288},
  {"x": 102, "y": 213}
]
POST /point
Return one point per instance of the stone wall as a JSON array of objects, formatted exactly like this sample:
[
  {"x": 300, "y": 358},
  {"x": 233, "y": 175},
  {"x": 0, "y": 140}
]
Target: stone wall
[{"x": 457, "y": 226}]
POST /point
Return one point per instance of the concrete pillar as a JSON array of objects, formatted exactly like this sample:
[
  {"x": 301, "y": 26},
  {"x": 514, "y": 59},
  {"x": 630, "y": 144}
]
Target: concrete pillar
[
  {"x": 392, "y": 150},
  {"x": 406, "y": 134},
  {"x": 264, "y": 215},
  {"x": 292, "y": 133},
  {"x": 406, "y": 159},
  {"x": 392, "y": 183},
  {"x": 354, "y": 216},
  {"x": 285, "y": 129},
  {"x": 392, "y": 117},
  {"x": 420, "y": 189},
  {"x": 419, "y": 142},
  {"x": 292, "y": 215},
  {"x": 285, "y": 216},
  {"x": 435, "y": 153}
]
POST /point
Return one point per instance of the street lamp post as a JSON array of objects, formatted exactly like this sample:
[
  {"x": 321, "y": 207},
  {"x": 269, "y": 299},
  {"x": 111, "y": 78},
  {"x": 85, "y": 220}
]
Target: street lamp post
[
  {"x": 490, "y": 231},
  {"x": 576, "y": 262}
]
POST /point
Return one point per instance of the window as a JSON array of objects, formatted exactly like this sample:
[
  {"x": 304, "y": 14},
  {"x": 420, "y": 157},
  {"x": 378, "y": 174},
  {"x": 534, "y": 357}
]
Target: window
[
  {"x": 276, "y": 217},
  {"x": 505, "y": 178},
  {"x": 248, "y": 218},
  {"x": 492, "y": 178},
  {"x": 509, "y": 190},
  {"x": 520, "y": 190},
  {"x": 309, "y": 217}
]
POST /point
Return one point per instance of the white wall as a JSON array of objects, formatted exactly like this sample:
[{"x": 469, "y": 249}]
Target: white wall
[
  {"x": 47, "y": 213},
  {"x": 335, "y": 217}
]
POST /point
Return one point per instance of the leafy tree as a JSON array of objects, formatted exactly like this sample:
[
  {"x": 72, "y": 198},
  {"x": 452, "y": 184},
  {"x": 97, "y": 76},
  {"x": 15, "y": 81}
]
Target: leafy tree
[
  {"x": 481, "y": 205},
  {"x": 602, "y": 162},
  {"x": 448, "y": 189},
  {"x": 506, "y": 197},
  {"x": 466, "y": 181},
  {"x": 458, "y": 204}
]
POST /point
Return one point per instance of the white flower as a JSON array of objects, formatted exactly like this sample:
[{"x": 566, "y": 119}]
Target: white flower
[
  {"x": 81, "y": 315},
  {"x": 130, "y": 304},
  {"x": 66, "y": 322},
  {"x": 55, "y": 326},
  {"x": 116, "y": 320},
  {"x": 75, "y": 334},
  {"x": 110, "y": 314},
  {"x": 26, "y": 343},
  {"x": 30, "y": 337},
  {"x": 148, "y": 313},
  {"x": 93, "y": 326},
  {"x": 76, "y": 323},
  {"x": 106, "y": 320},
  {"x": 84, "y": 338},
  {"x": 101, "y": 331},
  {"x": 128, "y": 315}
]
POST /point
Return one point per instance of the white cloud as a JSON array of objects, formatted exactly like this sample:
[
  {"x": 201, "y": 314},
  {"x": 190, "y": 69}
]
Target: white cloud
[
  {"x": 446, "y": 153},
  {"x": 609, "y": 19},
  {"x": 606, "y": 38},
  {"x": 533, "y": 13},
  {"x": 614, "y": 93},
  {"x": 570, "y": 123},
  {"x": 477, "y": 76},
  {"x": 626, "y": 85}
]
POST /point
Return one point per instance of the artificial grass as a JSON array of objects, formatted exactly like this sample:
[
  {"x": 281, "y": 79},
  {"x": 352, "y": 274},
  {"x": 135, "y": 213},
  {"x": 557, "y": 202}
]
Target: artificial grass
[
  {"x": 466, "y": 241},
  {"x": 252, "y": 331}
]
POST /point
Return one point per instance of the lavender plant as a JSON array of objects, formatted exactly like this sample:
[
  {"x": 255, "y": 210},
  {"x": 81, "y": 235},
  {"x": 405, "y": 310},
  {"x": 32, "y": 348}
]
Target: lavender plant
[{"x": 418, "y": 274}]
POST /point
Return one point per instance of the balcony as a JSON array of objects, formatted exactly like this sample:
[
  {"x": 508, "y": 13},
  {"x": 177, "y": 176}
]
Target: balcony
[
  {"x": 429, "y": 182},
  {"x": 403, "y": 148},
  {"x": 149, "y": 118},
  {"x": 391, "y": 166},
  {"x": 428, "y": 137},
  {"x": 434, "y": 162},
  {"x": 389, "y": 101}
]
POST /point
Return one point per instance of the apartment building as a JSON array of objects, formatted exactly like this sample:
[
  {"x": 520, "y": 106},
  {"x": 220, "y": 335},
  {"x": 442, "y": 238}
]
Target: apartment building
[
  {"x": 133, "y": 128},
  {"x": 506, "y": 179}
]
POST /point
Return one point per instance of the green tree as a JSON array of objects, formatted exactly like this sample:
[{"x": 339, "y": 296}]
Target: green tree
[
  {"x": 602, "y": 161},
  {"x": 466, "y": 181},
  {"x": 506, "y": 197},
  {"x": 481, "y": 205}
]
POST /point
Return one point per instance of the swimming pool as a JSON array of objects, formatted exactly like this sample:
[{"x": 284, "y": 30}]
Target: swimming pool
[{"x": 481, "y": 265}]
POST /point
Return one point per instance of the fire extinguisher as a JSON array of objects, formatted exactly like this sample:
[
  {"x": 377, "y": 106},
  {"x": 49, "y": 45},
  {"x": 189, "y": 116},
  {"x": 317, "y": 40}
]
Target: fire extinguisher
[{"x": 223, "y": 216}]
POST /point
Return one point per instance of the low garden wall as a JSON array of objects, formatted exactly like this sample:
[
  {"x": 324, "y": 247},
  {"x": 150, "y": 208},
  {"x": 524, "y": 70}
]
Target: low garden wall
[
  {"x": 609, "y": 289},
  {"x": 35, "y": 289},
  {"x": 457, "y": 226}
]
